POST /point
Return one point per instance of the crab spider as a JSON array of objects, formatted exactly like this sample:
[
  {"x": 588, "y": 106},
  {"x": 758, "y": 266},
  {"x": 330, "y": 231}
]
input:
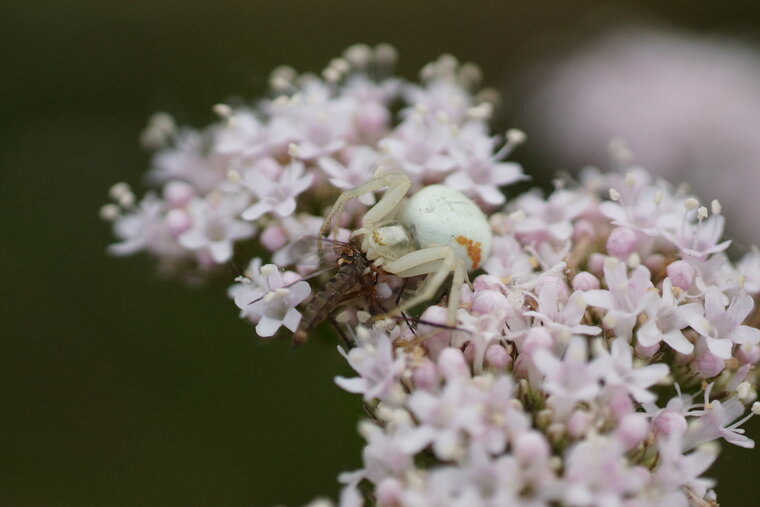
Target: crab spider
[{"x": 437, "y": 232}]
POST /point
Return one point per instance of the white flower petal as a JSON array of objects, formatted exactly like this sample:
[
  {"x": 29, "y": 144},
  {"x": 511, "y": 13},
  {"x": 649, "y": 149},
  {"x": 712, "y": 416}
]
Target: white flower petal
[
  {"x": 720, "y": 348},
  {"x": 746, "y": 334},
  {"x": 352, "y": 385},
  {"x": 267, "y": 326},
  {"x": 678, "y": 342},
  {"x": 221, "y": 251}
]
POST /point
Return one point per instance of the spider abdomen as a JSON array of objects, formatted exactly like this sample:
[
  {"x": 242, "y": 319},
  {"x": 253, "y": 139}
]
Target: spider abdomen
[{"x": 441, "y": 216}]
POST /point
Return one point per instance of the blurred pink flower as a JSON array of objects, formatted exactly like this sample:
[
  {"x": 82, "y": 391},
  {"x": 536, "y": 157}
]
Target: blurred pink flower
[{"x": 687, "y": 105}]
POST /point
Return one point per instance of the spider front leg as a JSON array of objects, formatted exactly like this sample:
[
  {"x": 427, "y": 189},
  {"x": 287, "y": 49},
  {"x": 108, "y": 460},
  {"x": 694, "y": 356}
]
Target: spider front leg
[
  {"x": 398, "y": 185},
  {"x": 437, "y": 262}
]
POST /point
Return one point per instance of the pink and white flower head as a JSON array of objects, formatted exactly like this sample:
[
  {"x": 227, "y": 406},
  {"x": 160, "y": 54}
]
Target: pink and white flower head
[{"x": 554, "y": 384}]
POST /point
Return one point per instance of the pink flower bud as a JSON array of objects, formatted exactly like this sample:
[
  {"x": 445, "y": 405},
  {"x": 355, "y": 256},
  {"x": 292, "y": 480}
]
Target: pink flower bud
[
  {"x": 667, "y": 422},
  {"x": 632, "y": 430},
  {"x": 585, "y": 281},
  {"x": 425, "y": 376},
  {"x": 707, "y": 365},
  {"x": 273, "y": 237},
  {"x": 178, "y": 193},
  {"x": 596, "y": 264},
  {"x": 434, "y": 315},
  {"x": 437, "y": 338},
  {"x": 748, "y": 353},
  {"x": 178, "y": 221},
  {"x": 489, "y": 301},
  {"x": 372, "y": 119},
  {"x": 497, "y": 357},
  {"x": 579, "y": 423},
  {"x": 486, "y": 282},
  {"x": 465, "y": 295},
  {"x": 537, "y": 338},
  {"x": 531, "y": 447},
  {"x": 681, "y": 274},
  {"x": 388, "y": 492},
  {"x": 621, "y": 242},
  {"x": 452, "y": 364},
  {"x": 619, "y": 403}
]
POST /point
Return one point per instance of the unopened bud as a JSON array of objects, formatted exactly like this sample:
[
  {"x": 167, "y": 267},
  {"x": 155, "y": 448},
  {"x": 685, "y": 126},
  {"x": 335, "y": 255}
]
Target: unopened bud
[
  {"x": 690, "y": 203},
  {"x": 109, "y": 212},
  {"x": 515, "y": 136}
]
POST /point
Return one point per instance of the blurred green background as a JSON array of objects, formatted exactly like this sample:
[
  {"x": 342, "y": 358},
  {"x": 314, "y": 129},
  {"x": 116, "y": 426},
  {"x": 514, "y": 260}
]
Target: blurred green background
[{"x": 119, "y": 388}]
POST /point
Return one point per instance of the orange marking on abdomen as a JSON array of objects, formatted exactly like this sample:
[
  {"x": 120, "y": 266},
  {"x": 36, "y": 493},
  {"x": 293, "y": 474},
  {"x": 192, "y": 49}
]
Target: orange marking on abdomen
[{"x": 473, "y": 249}]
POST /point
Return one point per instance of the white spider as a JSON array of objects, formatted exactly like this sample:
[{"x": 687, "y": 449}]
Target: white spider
[{"x": 436, "y": 232}]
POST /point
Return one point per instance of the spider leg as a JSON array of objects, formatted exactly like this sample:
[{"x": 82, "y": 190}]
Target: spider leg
[
  {"x": 398, "y": 185},
  {"x": 437, "y": 262}
]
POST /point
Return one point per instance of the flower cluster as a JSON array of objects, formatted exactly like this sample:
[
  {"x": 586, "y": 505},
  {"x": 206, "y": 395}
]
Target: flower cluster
[
  {"x": 259, "y": 174},
  {"x": 597, "y": 360},
  {"x": 604, "y": 349}
]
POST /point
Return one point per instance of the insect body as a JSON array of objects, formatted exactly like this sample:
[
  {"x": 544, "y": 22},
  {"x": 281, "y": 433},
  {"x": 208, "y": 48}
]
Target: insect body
[
  {"x": 436, "y": 232},
  {"x": 352, "y": 271}
]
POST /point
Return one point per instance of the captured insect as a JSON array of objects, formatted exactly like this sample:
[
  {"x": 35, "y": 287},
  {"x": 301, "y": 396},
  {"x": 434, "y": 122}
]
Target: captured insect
[
  {"x": 437, "y": 232},
  {"x": 354, "y": 278},
  {"x": 354, "y": 271}
]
